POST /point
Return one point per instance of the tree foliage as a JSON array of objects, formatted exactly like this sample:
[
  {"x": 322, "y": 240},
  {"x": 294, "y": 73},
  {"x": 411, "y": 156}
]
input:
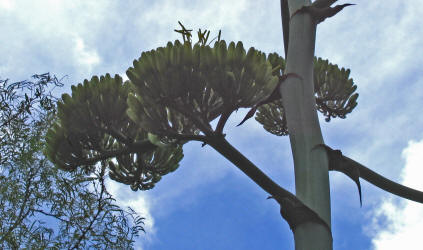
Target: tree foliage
[{"x": 40, "y": 205}]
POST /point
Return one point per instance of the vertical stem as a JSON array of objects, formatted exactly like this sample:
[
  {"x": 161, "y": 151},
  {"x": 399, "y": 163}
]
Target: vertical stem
[{"x": 311, "y": 166}]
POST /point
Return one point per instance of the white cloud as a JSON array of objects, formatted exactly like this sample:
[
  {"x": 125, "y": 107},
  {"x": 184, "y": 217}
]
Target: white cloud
[
  {"x": 404, "y": 221},
  {"x": 87, "y": 57},
  {"x": 52, "y": 36},
  {"x": 6, "y": 4}
]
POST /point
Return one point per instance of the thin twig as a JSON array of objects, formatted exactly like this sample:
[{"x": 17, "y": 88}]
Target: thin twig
[{"x": 99, "y": 210}]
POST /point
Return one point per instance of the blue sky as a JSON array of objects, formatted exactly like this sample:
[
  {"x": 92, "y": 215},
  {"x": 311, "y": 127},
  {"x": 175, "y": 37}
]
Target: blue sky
[{"x": 208, "y": 203}]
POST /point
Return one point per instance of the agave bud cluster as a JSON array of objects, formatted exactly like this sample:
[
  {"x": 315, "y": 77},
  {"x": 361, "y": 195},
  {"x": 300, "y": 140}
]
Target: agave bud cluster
[
  {"x": 92, "y": 126},
  {"x": 180, "y": 88},
  {"x": 334, "y": 92},
  {"x": 78, "y": 133},
  {"x": 143, "y": 170},
  {"x": 334, "y": 89}
]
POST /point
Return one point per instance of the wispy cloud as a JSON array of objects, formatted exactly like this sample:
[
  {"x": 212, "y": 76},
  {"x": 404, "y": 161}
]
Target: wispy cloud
[
  {"x": 402, "y": 221},
  {"x": 84, "y": 56},
  {"x": 7, "y": 5}
]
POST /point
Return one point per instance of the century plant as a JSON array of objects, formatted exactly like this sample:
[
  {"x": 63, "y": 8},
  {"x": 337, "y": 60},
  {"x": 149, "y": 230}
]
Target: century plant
[{"x": 138, "y": 127}]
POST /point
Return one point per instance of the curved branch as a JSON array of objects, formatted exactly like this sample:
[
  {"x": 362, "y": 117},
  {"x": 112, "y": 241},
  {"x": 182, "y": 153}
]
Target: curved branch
[
  {"x": 291, "y": 206},
  {"x": 222, "y": 121},
  {"x": 221, "y": 145},
  {"x": 320, "y": 14},
  {"x": 386, "y": 184},
  {"x": 346, "y": 165}
]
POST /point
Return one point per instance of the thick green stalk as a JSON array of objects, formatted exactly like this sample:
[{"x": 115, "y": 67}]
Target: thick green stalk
[
  {"x": 222, "y": 146},
  {"x": 311, "y": 166}
]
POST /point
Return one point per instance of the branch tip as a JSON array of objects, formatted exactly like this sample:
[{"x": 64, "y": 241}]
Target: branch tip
[
  {"x": 319, "y": 14},
  {"x": 355, "y": 170}
]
